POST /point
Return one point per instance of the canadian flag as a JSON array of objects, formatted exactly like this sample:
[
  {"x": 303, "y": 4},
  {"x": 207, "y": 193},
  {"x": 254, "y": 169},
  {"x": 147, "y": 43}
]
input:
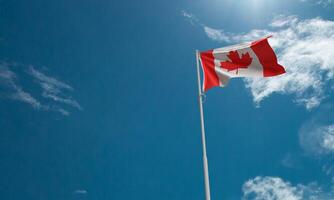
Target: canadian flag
[{"x": 251, "y": 59}]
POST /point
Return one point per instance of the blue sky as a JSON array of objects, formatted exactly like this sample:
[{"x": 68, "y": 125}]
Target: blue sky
[{"x": 98, "y": 100}]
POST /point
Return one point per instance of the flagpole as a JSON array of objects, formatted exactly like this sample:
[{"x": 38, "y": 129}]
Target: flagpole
[{"x": 205, "y": 159}]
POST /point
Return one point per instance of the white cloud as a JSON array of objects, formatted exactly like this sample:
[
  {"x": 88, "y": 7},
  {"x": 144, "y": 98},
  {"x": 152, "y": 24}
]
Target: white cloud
[
  {"x": 274, "y": 188},
  {"x": 52, "y": 89},
  {"x": 305, "y": 47},
  {"x": 270, "y": 188}
]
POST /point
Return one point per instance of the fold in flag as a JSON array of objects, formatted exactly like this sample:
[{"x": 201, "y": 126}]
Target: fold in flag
[{"x": 252, "y": 59}]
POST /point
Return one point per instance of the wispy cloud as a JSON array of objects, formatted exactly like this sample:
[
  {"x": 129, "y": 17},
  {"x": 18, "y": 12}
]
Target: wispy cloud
[
  {"x": 220, "y": 35},
  {"x": 292, "y": 161},
  {"x": 324, "y": 3},
  {"x": 81, "y": 191},
  {"x": 52, "y": 89},
  {"x": 316, "y": 136},
  {"x": 305, "y": 47},
  {"x": 328, "y": 138},
  {"x": 217, "y": 34},
  {"x": 274, "y": 188},
  {"x": 10, "y": 89},
  {"x": 190, "y": 17}
]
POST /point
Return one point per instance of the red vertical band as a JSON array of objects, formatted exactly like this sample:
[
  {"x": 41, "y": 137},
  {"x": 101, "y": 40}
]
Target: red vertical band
[
  {"x": 267, "y": 58},
  {"x": 208, "y": 65}
]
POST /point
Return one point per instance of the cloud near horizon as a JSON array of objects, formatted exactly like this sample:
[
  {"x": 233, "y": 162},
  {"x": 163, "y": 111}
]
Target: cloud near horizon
[
  {"x": 305, "y": 47},
  {"x": 54, "y": 92}
]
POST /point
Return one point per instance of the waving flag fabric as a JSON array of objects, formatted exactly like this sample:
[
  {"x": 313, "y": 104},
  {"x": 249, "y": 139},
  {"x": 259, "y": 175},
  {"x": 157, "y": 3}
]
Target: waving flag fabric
[{"x": 252, "y": 59}]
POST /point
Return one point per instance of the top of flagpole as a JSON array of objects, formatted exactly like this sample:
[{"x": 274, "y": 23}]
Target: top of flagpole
[{"x": 198, "y": 59}]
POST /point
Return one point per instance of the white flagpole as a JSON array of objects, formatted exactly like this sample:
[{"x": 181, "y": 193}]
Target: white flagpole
[{"x": 205, "y": 160}]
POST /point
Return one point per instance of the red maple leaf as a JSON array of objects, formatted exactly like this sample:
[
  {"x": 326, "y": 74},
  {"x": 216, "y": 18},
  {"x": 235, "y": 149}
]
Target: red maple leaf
[{"x": 236, "y": 62}]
